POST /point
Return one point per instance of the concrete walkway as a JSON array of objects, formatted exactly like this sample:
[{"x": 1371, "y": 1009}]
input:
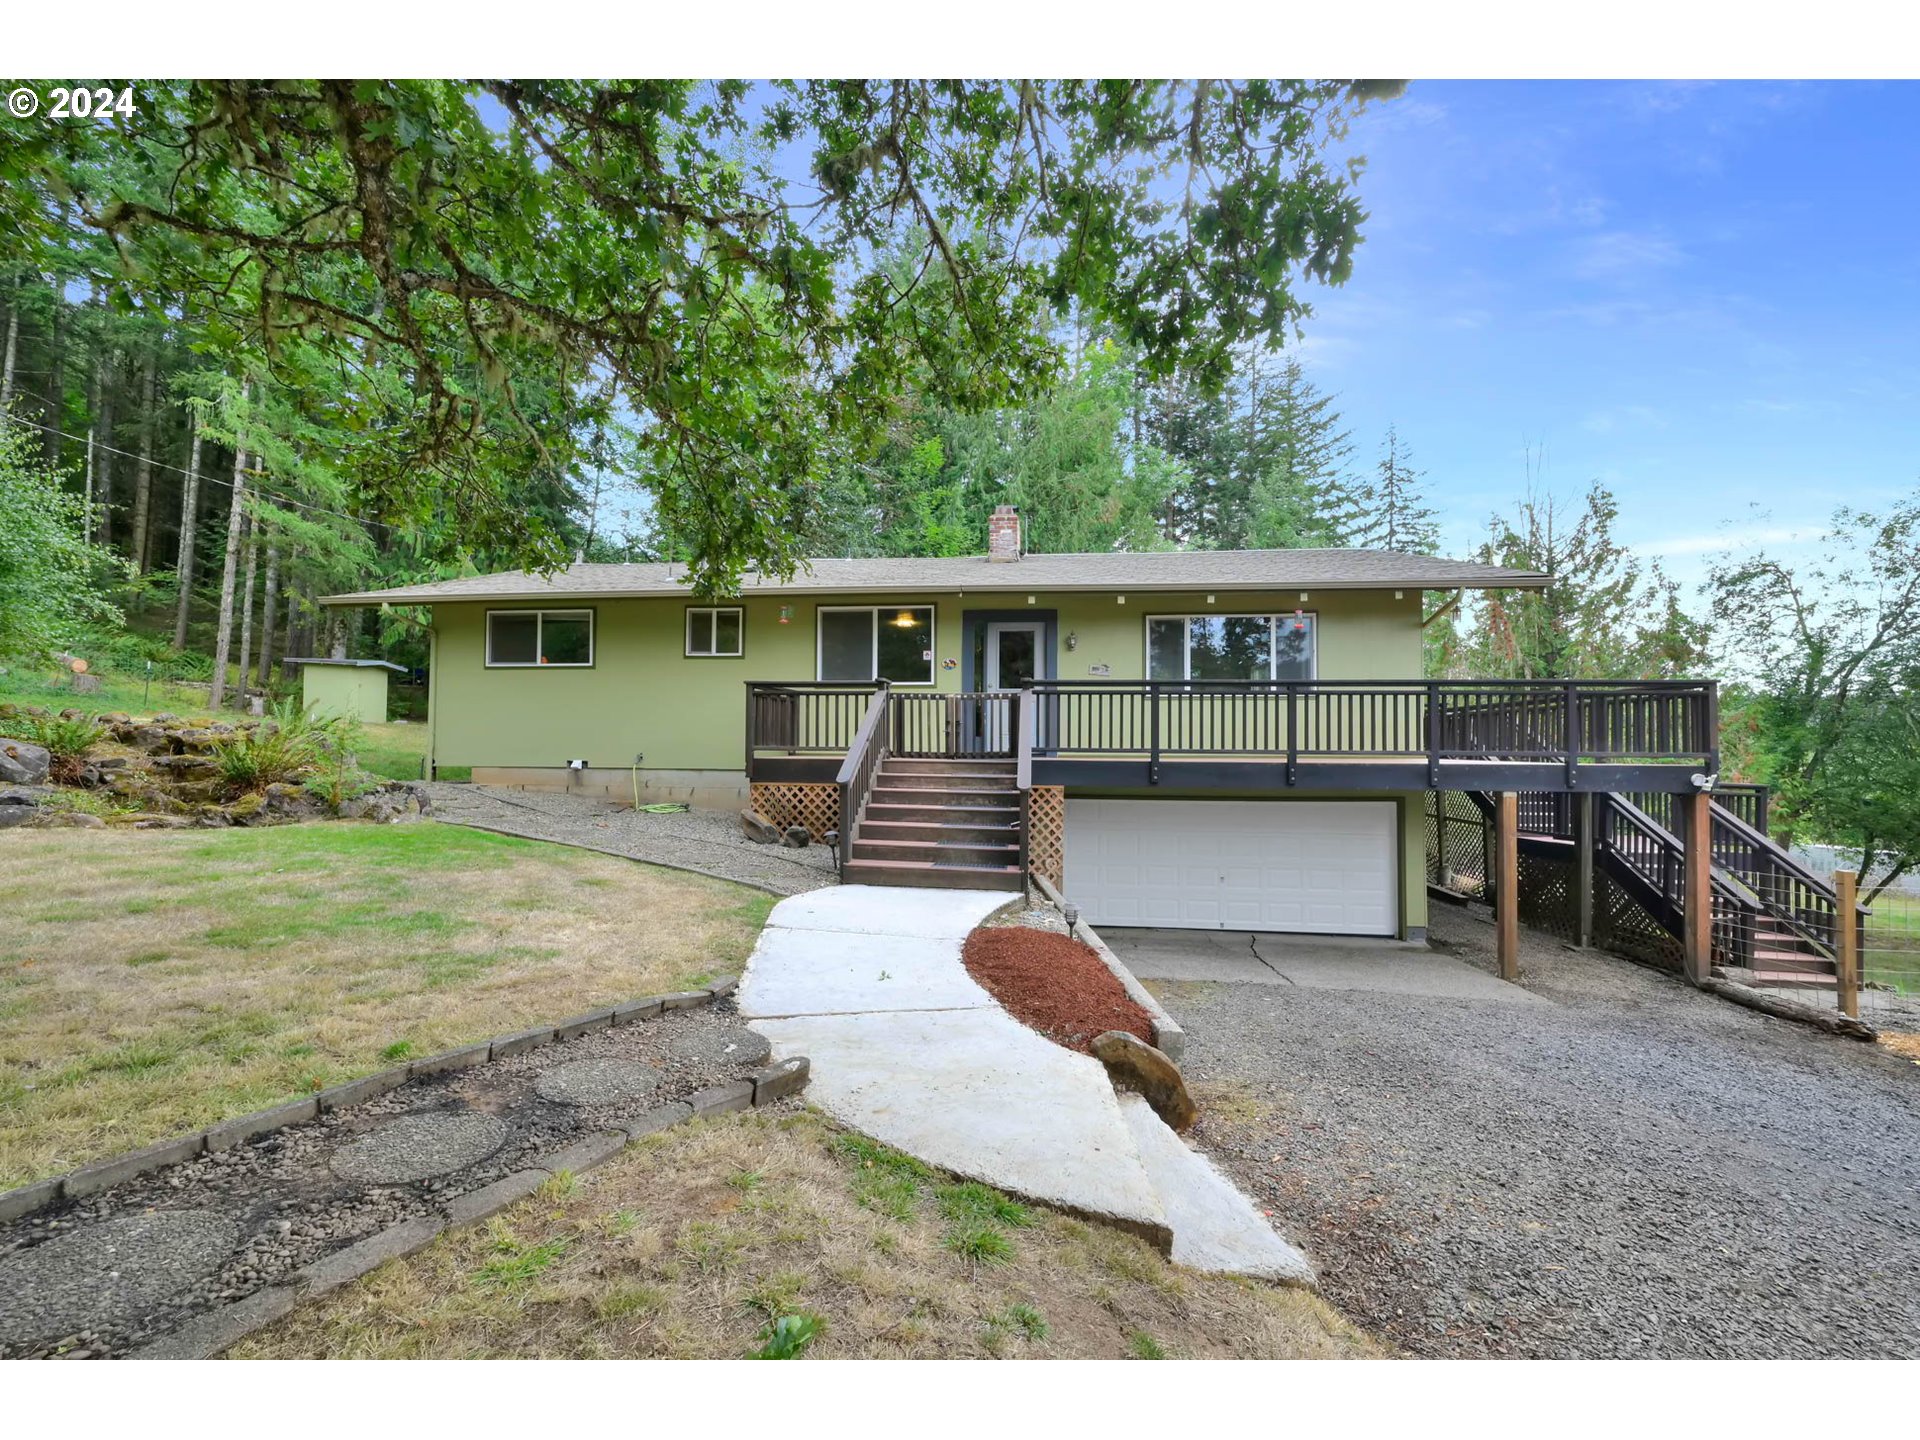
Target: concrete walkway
[
  {"x": 1309, "y": 962},
  {"x": 868, "y": 982}
]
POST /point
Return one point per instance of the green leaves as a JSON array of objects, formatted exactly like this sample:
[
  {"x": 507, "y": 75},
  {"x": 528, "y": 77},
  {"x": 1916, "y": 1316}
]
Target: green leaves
[{"x": 455, "y": 282}]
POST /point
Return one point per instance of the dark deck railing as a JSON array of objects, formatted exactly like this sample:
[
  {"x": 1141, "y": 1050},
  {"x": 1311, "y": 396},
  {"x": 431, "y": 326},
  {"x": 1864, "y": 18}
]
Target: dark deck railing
[
  {"x": 1561, "y": 722},
  {"x": 864, "y": 754}
]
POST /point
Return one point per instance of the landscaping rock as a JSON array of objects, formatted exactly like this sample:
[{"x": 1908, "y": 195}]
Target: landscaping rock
[
  {"x": 21, "y": 795},
  {"x": 12, "y": 815},
  {"x": 191, "y": 742},
  {"x": 757, "y": 828},
  {"x": 798, "y": 837},
  {"x": 71, "y": 820},
  {"x": 22, "y": 763},
  {"x": 1132, "y": 1064}
]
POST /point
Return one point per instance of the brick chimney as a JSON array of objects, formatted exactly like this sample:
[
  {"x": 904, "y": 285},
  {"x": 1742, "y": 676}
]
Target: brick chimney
[{"x": 1003, "y": 533}]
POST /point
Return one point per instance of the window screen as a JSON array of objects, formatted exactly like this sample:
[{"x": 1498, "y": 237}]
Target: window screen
[
  {"x": 846, "y": 645},
  {"x": 540, "y": 637},
  {"x": 513, "y": 639},
  {"x": 713, "y": 631}
]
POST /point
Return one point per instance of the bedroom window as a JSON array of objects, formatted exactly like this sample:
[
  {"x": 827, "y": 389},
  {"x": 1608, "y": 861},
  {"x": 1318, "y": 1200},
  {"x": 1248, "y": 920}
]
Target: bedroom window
[
  {"x": 714, "y": 630},
  {"x": 518, "y": 638},
  {"x": 1231, "y": 647},
  {"x": 862, "y": 643}
]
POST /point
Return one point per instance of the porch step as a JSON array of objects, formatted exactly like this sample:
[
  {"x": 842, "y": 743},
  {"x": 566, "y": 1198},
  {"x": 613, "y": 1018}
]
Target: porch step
[
  {"x": 915, "y": 794},
  {"x": 957, "y": 833},
  {"x": 1794, "y": 979},
  {"x": 883, "y": 810},
  {"x": 971, "y": 764},
  {"x": 958, "y": 779},
  {"x": 1796, "y": 960},
  {"x": 942, "y": 877},
  {"x": 936, "y": 852}
]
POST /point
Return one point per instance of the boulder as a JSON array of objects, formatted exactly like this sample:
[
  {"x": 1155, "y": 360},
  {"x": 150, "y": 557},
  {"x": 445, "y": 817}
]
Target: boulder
[
  {"x": 291, "y": 802},
  {"x": 12, "y": 815},
  {"x": 72, "y": 820},
  {"x": 20, "y": 795},
  {"x": 1134, "y": 1065},
  {"x": 798, "y": 837},
  {"x": 22, "y": 763},
  {"x": 191, "y": 742},
  {"x": 757, "y": 828},
  {"x": 185, "y": 767}
]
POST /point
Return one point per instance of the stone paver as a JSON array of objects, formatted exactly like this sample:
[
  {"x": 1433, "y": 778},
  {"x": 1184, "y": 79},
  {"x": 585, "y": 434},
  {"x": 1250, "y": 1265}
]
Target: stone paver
[
  {"x": 733, "y": 1045},
  {"x": 416, "y": 1147},
  {"x": 103, "y": 1272},
  {"x": 597, "y": 1082}
]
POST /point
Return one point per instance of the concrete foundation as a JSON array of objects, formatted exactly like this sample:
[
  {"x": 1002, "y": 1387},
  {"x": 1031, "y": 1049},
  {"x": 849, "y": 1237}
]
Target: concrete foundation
[{"x": 702, "y": 789}]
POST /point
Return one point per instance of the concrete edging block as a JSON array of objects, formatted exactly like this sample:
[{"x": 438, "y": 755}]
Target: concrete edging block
[
  {"x": 91, "y": 1179},
  {"x": 586, "y": 1153},
  {"x": 719, "y": 1099},
  {"x": 776, "y": 1082},
  {"x": 353, "y": 1092},
  {"x": 685, "y": 999},
  {"x": 661, "y": 1117},
  {"x": 247, "y": 1127},
  {"x": 26, "y": 1199},
  {"x": 395, "y": 1242},
  {"x": 465, "y": 1058},
  {"x": 583, "y": 1024},
  {"x": 635, "y": 1010},
  {"x": 207, "y": 1336},
  {"x": 1168, "y": 1038},
  {"x": 522, "y": 1042},
  {"x": 492, "y": 1199}
]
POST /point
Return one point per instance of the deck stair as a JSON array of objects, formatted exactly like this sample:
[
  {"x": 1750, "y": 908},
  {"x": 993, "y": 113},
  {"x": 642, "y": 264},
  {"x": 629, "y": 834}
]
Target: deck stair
[
  {"x": 1770, "y": 915},
  {"x": 952, "y": 824}
]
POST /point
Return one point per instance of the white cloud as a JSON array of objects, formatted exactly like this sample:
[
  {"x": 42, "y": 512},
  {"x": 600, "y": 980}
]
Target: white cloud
[
  {"x": 1742, "y": 538},
  {"x": 1624, "y": 255}
]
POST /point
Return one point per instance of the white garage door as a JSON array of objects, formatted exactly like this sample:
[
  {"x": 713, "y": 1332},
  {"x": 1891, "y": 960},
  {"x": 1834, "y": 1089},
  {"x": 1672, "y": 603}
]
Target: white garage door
[{"x": 1319, "y": 867}]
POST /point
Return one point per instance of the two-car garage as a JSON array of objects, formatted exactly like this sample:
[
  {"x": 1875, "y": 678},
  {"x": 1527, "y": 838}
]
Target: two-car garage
[{"x": 1326, "y": 867}]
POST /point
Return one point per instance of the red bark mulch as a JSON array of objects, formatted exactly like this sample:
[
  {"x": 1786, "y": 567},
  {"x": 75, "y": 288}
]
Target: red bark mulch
[{"x": 1053, "y": 984}]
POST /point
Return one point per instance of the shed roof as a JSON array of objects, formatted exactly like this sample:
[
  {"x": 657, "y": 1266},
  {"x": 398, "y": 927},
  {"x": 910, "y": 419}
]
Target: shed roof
[
  {"x": 330, "y": 660},
  {"x": 1106, "y": 571}
]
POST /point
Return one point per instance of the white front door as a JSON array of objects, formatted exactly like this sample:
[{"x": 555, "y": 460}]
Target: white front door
[
  {"x": 1013, "y": 653},
  {"x": 1327, "y": 867}
]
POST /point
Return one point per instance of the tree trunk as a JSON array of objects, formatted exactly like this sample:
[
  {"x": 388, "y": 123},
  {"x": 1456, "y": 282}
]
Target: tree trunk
[
  {"x": 266, "y": 616},
  {"x": 223, "y": 635},
  {"x": 189, "y": 533},
  {"x": 56, "y": 398},
  {"x": 139, "y": 543},
  {"x": 6, "y": 367},
  {"x": 104, "y": 460},
  {"x": 246, "y": 611}
]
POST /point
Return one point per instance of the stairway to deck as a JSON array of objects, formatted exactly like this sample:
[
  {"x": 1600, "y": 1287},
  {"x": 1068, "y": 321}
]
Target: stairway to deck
[{"x": 951, "y": 824}]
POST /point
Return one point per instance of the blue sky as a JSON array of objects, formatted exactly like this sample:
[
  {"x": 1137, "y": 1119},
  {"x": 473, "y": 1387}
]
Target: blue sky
[{"x": 1707, "y": 296}]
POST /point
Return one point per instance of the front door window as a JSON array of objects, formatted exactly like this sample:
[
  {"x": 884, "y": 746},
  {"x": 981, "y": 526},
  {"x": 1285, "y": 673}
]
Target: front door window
[{"x": 1013, "y": 655}]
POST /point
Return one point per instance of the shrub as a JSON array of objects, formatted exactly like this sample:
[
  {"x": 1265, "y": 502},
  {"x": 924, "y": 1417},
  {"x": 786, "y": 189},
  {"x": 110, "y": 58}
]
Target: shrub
[
  {"x": 65, "y": 741},
  {"x": 289, "y": 745}
]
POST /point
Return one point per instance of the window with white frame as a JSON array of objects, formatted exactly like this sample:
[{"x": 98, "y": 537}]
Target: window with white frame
[
  {"x": 860, "y": 643},
  {"x": 539, "y": 637},
  {"x": 1231, "y": 647},
  {"x": 714, "y": 630}
]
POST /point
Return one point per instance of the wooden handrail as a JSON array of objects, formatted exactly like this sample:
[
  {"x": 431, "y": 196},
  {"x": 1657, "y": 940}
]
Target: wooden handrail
[
  {"x": 1025, "y": 715},
  {"x": 855, "y": 779}
]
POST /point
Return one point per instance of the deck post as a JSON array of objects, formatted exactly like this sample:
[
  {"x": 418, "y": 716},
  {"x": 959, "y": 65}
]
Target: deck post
[
  {"x": 1582, "y": 869},
  {"x": 1506, "y": 893},
  {"x": 1696, "y": 882},
  {"x": 1846, "y": 931}
]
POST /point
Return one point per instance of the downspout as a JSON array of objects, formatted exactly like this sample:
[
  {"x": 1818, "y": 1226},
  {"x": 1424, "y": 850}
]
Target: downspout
[{"x": 428, "y": 763}]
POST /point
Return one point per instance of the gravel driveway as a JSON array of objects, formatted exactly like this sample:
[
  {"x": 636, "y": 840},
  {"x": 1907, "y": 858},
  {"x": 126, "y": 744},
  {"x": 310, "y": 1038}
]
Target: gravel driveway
[
  {"x": 1635, "y": 1170},
  {"x": 704, "y": 841}
]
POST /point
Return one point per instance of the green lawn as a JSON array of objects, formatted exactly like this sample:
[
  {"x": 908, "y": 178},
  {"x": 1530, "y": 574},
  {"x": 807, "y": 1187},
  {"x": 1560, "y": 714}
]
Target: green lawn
[
  {"x": 155, "y": 981},
  {"x": 1891, "y": 954}
]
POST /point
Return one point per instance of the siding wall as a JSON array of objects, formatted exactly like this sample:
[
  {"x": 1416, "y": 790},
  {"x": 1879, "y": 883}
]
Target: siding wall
[{"x": 644, "y": 696}]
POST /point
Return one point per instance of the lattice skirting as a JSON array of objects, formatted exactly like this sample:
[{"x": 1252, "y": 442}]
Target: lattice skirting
[
  {"x": 1622, "y": 924},
  {"x": 1546, "y": 895},
  {"x": 1463, "y": 858},
  {"x": 785, "y": 803},
  {"x": 1047, "y": 842}
]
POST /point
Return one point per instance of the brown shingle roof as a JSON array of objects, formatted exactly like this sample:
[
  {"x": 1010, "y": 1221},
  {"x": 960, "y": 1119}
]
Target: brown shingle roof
[{"x": 1112, "y": 571}]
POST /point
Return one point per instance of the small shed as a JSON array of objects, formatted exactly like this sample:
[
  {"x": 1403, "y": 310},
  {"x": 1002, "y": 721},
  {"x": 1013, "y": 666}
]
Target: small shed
[{"x": 355, "y": 689}]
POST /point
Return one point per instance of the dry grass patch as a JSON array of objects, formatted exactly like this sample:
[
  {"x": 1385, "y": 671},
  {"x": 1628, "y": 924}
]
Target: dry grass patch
[
  {"x": 155, "y": 981},
  {"x": 766, "y": 1232},
  {"x": 1902, "y": 1043}
]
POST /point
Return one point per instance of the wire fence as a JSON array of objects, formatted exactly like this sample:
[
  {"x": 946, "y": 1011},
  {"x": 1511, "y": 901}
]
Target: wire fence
[{"x": 1889, "y": 987}]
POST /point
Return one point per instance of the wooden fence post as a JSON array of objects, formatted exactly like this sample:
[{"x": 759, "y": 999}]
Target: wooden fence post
[
  {"x": 1846, "y": 889},
  {"x": 1697, "y": 885},
  {"x": 1506, "y": 894}
]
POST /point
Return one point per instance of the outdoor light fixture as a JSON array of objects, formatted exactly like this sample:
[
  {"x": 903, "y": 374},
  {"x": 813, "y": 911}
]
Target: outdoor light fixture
[
  {"x": 1073, "y": 641},
  {"x": 905, "y": 620},
  {"x": 1119, "y": 599},
  {"x": 1303, "y": 597},
  {"x": 1210, "y": 599},
  {"x": 1030, "y": 599},
  {"x": 786, "y": 614}
]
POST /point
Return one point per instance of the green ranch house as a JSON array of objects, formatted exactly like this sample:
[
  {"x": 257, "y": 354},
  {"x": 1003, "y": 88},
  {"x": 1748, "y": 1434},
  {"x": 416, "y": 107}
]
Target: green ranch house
[{"x": 1220, "y": 740}]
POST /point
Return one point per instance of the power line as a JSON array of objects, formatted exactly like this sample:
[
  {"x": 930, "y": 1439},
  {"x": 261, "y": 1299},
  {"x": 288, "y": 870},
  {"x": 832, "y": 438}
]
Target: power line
[{"x": 203, "y": 476}]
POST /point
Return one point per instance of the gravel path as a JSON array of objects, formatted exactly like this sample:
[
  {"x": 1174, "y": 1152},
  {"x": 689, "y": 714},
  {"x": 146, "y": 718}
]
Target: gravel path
[
  {"x": 703, "y": 841},
  {"x": 1637, "y": 1170}
]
